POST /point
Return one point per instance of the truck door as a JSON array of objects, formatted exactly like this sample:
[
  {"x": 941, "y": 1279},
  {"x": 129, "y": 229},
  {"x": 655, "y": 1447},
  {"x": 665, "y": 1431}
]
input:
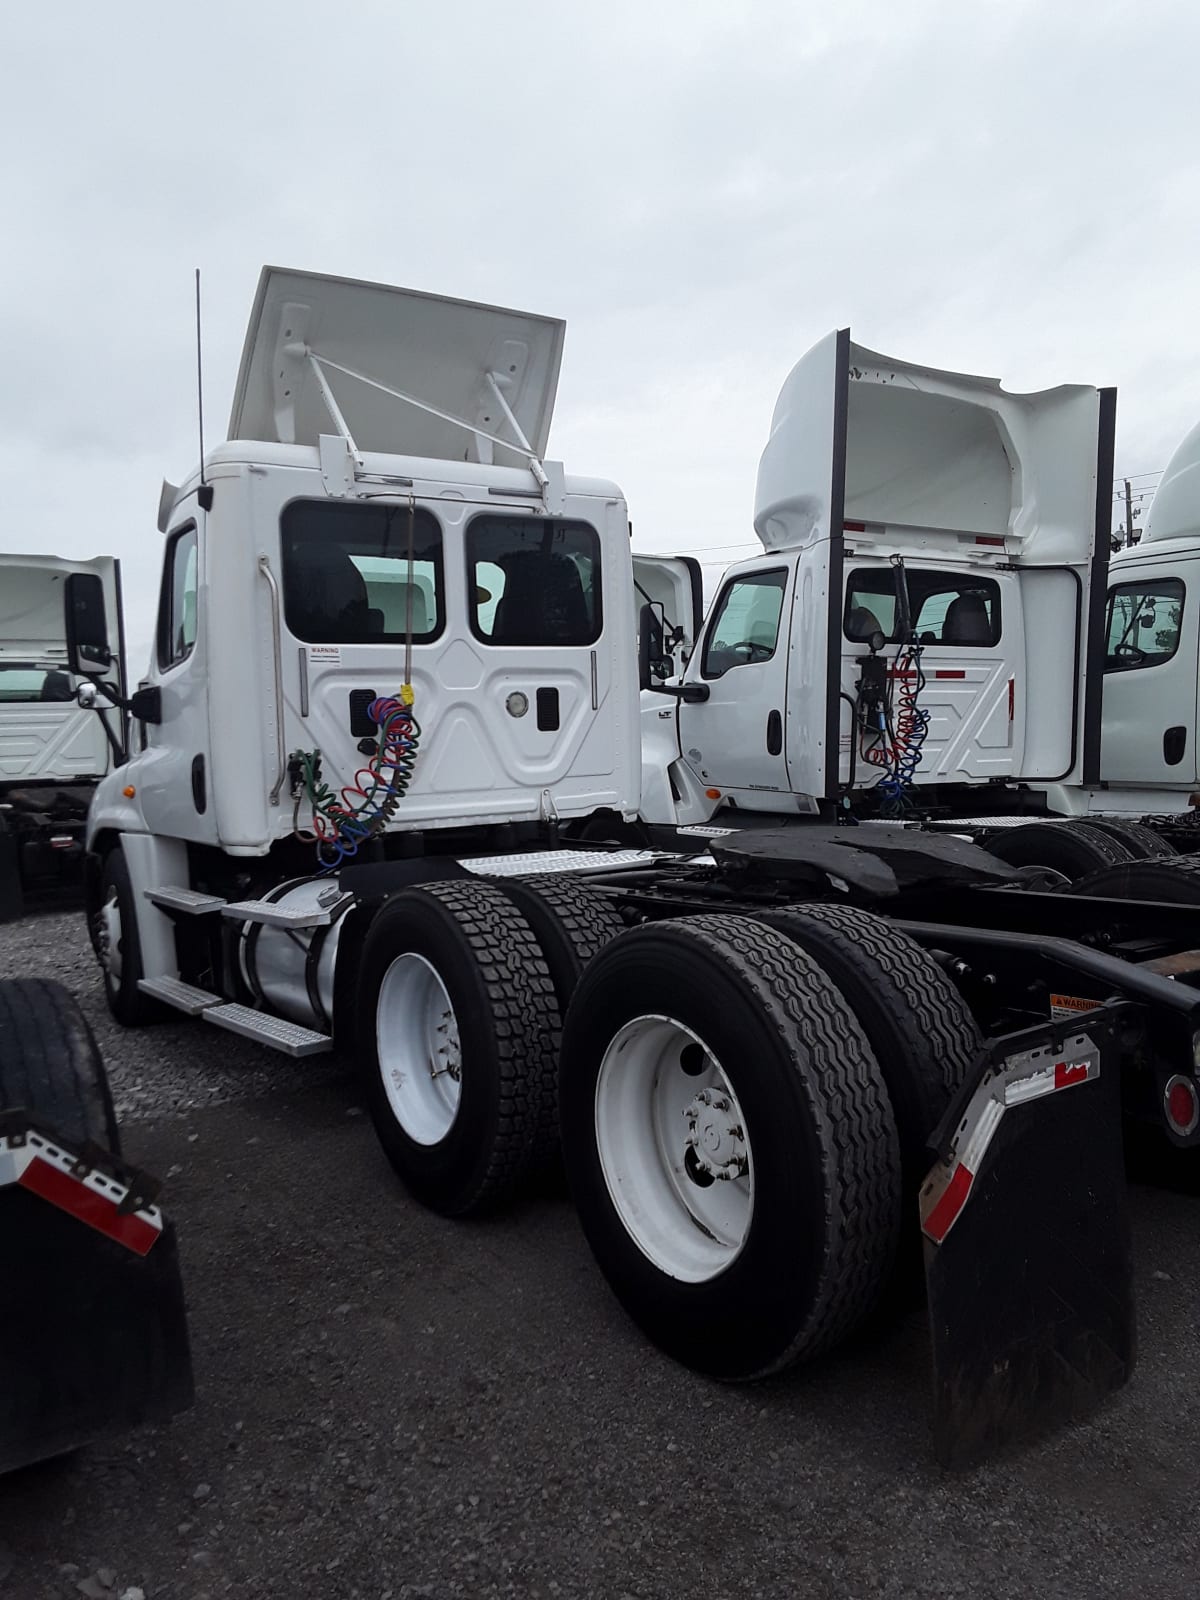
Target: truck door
[
  {"x": 173, "y": 774},
  {"x": 734, "y": 740},
  {"x": 677, "y": 584},
  {"x": 1150, "y": 696}
]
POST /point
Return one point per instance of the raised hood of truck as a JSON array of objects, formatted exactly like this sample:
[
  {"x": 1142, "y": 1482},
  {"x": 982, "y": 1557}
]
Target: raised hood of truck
[
  {"x": 32, "y": 621},
  {"x": 446, "y": 358},
  {"x": 882, "y": 447}
]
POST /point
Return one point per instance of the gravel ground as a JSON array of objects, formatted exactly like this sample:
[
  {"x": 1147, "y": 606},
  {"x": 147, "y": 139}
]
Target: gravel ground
[{"x": 390, "y": 1405}]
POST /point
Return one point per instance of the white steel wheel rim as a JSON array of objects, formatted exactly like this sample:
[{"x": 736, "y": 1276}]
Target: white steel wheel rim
[
  {"x": 660, "y": 1093},
  {"x": 420, "y": 1056},
  {"x": 110, "y": 936}
]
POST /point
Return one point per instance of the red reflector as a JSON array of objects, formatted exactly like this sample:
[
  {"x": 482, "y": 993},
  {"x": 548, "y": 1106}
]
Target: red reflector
[
  {"x": 1012, "y": 697},
  {"x": 987, "y": 538},
  {"x": 1183, "y": 1108},
  {"x": 855, "y": 527},
  {"x": 953, "y": 1198},
  {"x": 950, "y": 672},
  {"x": 1068, "y": 1072},
  {"x": 72, "y": 1195}
]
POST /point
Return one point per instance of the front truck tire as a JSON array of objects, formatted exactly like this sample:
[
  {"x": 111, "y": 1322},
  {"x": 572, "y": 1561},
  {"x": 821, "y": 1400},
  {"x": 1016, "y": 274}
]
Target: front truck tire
[
  {"x": 729, "y": 1143},
  {"x": 459, "y": 1035},
  {"x": 116, "y": 941}
]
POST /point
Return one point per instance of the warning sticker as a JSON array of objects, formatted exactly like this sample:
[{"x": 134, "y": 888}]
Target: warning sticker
[
  {"x": 324, "y": 655},
  {"x": 1070, "y": 1005}
]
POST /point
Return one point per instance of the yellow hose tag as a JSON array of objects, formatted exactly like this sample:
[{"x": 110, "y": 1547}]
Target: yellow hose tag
[{"x": 406, "y": 694}]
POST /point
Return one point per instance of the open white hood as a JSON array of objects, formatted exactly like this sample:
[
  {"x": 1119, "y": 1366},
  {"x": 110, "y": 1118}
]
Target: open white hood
[
  {"x": 32, "y": 621},
  {"x": 889, "y": 444},
  {"x": 438, "y": 352}
]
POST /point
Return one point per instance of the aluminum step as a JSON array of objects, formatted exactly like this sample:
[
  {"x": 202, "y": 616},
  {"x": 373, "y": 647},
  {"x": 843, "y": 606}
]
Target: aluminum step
[
  {"x": 289, "y": 1037},
  {"x": 189, "y": 900},
  {"x": 183, "y": 996},
  {"x": 538, "y": 861},
  {"x": 279, "y": 916}
]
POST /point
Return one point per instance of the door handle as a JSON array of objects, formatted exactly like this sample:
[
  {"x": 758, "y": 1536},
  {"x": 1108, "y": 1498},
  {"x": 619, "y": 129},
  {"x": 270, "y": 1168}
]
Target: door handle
[
  {"x": 1174, "y": 744},
  {"x": 774, "y": 734}
]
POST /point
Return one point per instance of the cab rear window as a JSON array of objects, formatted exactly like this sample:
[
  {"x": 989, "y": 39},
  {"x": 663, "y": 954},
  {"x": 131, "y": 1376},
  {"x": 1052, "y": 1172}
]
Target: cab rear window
[{"x": 950, "y": 608}]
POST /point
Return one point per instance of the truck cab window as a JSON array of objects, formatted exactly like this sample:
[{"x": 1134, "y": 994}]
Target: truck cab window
[
  {"x": 745, "y": 627},
  {"x": 1144, "y": 623},
  {"x": 177, "y": 604},
  {"x": 533, "y": 582},
  {"x": 347, "y": 577},
  {"x": 952, "y": 608}
]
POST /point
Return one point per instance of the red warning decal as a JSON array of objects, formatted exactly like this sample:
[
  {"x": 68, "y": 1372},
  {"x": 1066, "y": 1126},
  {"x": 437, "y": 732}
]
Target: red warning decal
[{"x": 1070, "y": 1005}]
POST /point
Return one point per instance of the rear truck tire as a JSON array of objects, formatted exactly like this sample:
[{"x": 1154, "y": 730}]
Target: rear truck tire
[
  {"x": 50, "y": 1065},
  {"x": 1175, "y": 879},
  {"x": 729, "y": 1143},
  {"x": 1072, "y": 848},
  {"x": 119, "y": 947},
  {"x": 917, "y": 1024},
  {"x": 1141, "y": 841},
  {"x": 571, "y": 924},
  {"x": 459, "y": 1043}
]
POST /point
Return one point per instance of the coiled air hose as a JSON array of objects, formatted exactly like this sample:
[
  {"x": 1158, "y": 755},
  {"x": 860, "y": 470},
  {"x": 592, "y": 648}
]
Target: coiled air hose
[{"x": 342, "y": 822}]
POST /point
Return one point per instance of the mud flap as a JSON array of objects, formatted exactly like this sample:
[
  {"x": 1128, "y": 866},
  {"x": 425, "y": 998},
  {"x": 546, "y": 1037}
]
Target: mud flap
[
  {"x": 93, "y": 1338},
  {"x": 1026, "y": 1236}
]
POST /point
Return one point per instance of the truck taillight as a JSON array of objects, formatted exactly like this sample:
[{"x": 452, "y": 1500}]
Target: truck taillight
[{"x": 1182, "y": 1105}]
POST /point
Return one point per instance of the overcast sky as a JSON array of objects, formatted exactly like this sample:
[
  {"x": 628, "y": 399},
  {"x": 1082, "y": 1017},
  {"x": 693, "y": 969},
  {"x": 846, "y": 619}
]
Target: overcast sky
[{"x": 701, "y": 190}]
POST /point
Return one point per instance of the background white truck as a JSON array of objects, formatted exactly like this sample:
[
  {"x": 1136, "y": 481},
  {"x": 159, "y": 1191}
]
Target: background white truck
[
  {"x": 53, "y": 752},
  {"x": 391, "y": 668}
]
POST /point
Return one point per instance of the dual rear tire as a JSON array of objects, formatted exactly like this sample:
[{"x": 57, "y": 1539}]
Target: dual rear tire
[{"x": 743, "y": 1108}]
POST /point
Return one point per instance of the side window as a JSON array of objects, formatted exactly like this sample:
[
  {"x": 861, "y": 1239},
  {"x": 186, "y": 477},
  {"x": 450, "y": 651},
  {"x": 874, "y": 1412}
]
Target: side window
[
  {"x": 1145, "y": 620},
  {"x": 954, "y": 608},
  {"x": 532, "y": 582},
  {"x": 745, "y": 626},
  {"x": 177, "y": 604},
  {"x": 349, "y": 576}
]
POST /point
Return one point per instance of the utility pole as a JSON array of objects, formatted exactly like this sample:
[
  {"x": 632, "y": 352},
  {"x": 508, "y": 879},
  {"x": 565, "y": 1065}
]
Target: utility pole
[{"x": 1128, "y": 514}]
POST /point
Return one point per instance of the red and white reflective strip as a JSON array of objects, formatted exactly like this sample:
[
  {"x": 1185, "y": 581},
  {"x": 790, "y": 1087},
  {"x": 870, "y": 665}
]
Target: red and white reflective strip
[
  {"x": 1023, "y": 1077},
  {"x": 36, "y": 1164}
]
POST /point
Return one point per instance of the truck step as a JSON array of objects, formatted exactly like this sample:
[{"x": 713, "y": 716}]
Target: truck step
[
  {"x": 195, "y": 904},
  {"x": 277, "y": 916},
  {"x": 529, "y": 862},
  {"x": 289, "y": 1037},
  {"x": 183, "y": 996}
]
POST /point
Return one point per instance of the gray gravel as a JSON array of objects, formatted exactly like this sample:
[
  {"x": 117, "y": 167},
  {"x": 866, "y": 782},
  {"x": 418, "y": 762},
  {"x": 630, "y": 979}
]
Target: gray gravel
[{"x": 391, "y": 1405}]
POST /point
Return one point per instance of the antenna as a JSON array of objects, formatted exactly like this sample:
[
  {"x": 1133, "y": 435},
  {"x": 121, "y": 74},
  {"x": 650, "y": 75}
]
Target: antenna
[{"x": 205, "y": 494}]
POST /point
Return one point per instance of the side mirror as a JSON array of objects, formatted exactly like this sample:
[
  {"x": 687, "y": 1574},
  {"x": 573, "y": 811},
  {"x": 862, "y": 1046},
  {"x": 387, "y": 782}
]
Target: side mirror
[
  {"x": 651, "y": 627},
  {"x": 145, "y": 704},
  {"x": 88, "y": 654}
]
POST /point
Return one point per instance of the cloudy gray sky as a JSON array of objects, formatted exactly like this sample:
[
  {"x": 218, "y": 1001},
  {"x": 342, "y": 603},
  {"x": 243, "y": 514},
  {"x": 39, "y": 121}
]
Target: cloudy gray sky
[{"x": 702, "y": 190}]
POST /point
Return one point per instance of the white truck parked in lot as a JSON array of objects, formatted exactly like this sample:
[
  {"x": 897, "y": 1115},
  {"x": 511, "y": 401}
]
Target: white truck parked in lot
[
  {"x": 53, "y": 752},
  {"x": 394, "y": 662}
]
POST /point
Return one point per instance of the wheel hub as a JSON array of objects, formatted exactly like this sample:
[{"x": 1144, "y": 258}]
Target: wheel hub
[
  {"x": 715, "y": 1140},
  {"x": 447, "y": 1052},
  {"x": 108, "y": 937}
]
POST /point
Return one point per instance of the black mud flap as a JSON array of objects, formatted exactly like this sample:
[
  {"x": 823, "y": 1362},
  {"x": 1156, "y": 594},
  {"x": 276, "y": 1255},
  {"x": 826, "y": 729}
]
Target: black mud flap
[
  {"x": 93, "y": 1338},
  {"x": 1026, "y": 1235}
]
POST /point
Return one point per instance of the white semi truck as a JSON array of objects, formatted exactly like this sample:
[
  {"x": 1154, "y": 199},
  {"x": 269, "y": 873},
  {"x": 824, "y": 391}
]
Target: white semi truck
[
  {"x": 394, "y": 663},
  {"x": 53, "y": 752}
]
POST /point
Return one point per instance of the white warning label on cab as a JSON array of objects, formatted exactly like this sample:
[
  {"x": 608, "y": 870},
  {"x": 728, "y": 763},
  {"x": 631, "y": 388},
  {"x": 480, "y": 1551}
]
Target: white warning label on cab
[{"x": 324, "y": 655}]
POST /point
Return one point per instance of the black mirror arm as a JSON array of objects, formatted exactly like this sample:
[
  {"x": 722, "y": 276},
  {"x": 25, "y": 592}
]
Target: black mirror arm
[{"x": 692, "y": 693}]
